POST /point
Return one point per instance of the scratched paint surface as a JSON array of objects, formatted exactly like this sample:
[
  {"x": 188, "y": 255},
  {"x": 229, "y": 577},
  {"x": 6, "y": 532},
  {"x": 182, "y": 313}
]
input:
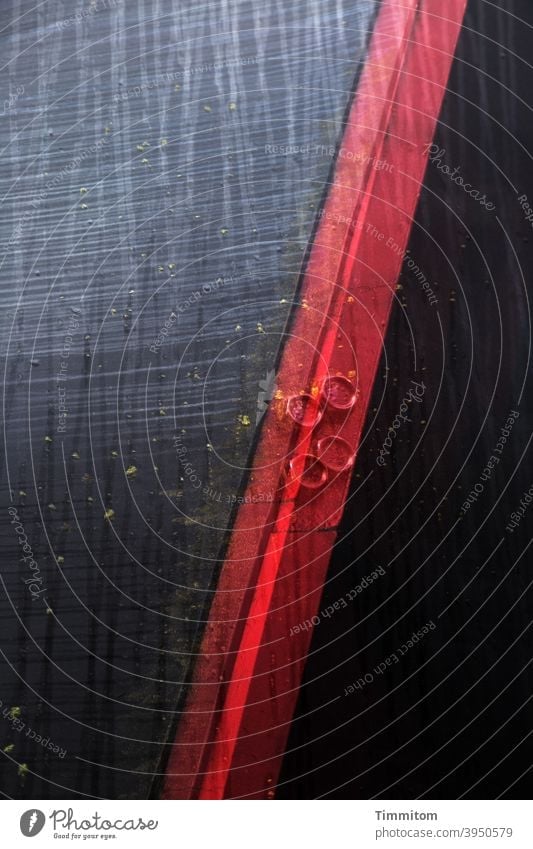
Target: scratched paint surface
[{"x": 161, "y": 172}]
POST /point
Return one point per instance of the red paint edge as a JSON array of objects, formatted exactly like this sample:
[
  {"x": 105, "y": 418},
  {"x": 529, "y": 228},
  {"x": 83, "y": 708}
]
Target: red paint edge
[{"x": 233, "y": 730}]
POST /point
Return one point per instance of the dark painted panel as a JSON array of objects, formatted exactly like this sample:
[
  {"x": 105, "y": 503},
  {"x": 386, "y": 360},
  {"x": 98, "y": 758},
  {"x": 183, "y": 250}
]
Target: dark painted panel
[
  {"x": 452, "y": 715},
  {"x": 152, "y": 238}
]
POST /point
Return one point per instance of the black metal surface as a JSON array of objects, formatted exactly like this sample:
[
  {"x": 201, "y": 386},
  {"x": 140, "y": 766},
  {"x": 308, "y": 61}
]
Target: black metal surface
[
  {"x": 452, "y": 716},
  {"x": 151, "y": 244}
]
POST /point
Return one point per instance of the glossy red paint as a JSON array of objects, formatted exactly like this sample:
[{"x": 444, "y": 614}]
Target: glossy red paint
[{"x": 233, "y": 731}]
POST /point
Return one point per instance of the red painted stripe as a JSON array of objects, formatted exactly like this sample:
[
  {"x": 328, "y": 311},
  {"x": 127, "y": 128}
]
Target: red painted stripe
[{"x": 234, "y": 728}]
